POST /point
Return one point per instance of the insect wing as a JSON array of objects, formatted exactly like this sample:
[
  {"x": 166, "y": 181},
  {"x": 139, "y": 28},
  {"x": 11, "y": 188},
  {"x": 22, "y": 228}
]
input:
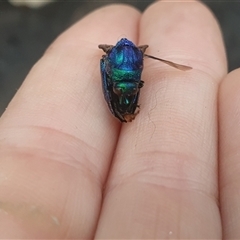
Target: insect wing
[
  {"x": 109, "y": 96},
  {"x": 105, "y": 85}
]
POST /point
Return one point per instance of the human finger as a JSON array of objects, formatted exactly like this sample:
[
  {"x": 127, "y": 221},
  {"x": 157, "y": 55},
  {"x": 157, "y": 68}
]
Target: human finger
[
  {"x": 163, "y": 182},
  {"x": 229, "y": 151},
  {"x": 57, "y": 135}
]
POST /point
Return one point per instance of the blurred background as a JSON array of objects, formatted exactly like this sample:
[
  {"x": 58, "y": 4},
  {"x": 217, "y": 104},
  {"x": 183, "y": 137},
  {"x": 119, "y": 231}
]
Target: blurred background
[{"x": 27, "y": 30}]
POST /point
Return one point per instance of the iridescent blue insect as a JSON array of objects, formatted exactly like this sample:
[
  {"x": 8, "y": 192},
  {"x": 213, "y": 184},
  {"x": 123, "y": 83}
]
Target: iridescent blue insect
[{"x": 121, "y": 70}]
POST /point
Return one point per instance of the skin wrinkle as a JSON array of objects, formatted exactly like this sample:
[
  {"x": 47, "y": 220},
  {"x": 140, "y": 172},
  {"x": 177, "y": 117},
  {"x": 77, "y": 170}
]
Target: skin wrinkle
[
  {"x": 87, "y": 165},
  {"x": 85, "y": 171},
  {"x": 156, "y": 182},
  {"x": 151, "y": 169},
  {"x": 23, "y": 159}
]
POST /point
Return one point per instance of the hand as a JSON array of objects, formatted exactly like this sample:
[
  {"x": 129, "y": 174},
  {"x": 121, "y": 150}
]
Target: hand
[{"x": 69, "y": 169}]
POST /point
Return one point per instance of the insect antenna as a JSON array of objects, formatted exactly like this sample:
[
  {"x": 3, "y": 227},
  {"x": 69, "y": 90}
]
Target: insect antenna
[{"x": 172, "y": 64}]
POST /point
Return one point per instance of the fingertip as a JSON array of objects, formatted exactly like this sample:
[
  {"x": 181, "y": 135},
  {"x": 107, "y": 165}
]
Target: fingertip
[
  {"x": 110, "y": 23},
  {"x": 187, "y": 32},
  {"x": 229, "y": 99}
]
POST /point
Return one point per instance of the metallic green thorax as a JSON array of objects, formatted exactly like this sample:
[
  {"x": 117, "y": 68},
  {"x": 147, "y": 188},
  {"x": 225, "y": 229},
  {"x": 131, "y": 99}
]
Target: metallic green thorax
[{"x": 123, "y": 74}]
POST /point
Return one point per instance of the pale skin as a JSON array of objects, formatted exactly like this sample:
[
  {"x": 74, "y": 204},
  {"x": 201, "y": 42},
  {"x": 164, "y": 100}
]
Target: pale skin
[{"x": 68, "y": 169}]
